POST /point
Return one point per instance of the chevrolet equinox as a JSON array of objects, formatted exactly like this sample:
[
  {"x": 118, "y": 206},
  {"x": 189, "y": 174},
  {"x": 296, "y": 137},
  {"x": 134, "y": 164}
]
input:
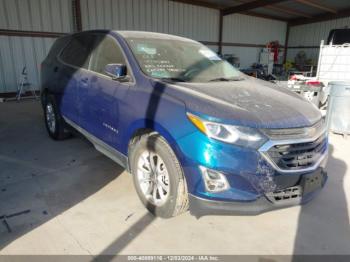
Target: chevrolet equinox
[{"x": 192, "y": 130}]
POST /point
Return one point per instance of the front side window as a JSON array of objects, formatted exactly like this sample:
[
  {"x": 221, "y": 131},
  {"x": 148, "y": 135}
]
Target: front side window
[
  {"x": 180, "y": 60},
  {"x": 106, "y": 52},
  {"x": 78, "y": 51}
]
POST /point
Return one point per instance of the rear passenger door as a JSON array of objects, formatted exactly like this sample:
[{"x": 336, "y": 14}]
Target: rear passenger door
[
  {"x": 75, "y": 60},
  {"x": 101, "y": 101}
]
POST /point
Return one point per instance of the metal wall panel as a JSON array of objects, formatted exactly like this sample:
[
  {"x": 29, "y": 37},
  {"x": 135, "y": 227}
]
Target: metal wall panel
[
  {"x": 17, "y": 52},
  {"x": 165, "y": 16},
  {"x": 311, "y": 53},
  {"x": 311, "y": 35},
  {"x": 56, "y": 16},
  {"x": 246, "y": 29},
  {"x": 191, "y": 21},
  {"x": 36, "y": 15},
  {"x": 247, "y": 55}
]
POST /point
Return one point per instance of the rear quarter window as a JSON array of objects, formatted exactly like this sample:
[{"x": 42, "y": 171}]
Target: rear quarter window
[
  {"x": 57, "y": 46},
  {"x": 78, "y": 51}
]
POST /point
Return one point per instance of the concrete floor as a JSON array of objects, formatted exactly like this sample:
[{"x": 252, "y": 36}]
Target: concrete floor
[{"x": 83, "y": 203}]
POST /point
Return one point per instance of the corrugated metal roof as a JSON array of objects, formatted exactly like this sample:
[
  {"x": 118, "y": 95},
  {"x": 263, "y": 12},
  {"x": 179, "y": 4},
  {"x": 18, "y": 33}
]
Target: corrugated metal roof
[
  {"x": 273, "y": 13},
  {"x": 337, "y": 4},
  {"x": 297, "y": 6}
]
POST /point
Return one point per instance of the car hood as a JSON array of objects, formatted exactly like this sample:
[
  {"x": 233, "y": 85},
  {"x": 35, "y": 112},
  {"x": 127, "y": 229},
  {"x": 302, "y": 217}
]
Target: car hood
[{"x": 249, "y": 102}]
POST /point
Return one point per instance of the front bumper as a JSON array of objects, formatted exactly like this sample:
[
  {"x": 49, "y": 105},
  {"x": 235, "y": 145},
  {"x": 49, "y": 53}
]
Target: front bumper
[
  {"x": 251, "y": 177},
  {"x": 201, "y": 206}
]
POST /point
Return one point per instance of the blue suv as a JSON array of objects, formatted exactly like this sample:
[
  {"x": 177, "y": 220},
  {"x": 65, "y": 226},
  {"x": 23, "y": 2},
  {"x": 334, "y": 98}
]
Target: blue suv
[{"x": 193, "y": 131}]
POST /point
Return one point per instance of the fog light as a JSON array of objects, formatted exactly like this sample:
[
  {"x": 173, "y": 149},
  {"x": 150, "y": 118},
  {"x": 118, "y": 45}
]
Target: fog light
[{"x": 214, "y": 181}]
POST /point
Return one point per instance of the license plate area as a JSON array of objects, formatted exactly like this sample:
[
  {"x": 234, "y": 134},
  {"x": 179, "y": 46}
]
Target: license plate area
[{"x": 312, "y": 182}]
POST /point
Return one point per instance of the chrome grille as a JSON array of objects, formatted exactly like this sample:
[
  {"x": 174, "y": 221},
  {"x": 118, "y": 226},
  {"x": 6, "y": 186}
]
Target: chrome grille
[
  {"x": 299, "y": 155},
  {"x": 295, "y": 133}
]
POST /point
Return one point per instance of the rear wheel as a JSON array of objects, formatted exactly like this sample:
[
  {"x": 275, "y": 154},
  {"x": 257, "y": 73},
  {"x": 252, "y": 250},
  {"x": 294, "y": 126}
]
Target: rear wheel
[
  {"x": 54, "y": 122},
  {"x": 158, "y": 176}
]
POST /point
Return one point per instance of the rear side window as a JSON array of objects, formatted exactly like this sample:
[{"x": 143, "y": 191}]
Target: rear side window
[
  {"x": 106, "y": 52},
  {"x": 57, "y": 46},
  {"x": 78, "y": 51}
]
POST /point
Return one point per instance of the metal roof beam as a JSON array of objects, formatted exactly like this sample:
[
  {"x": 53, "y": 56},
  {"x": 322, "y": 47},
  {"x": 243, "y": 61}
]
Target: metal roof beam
[
  {"x": 199, "y": 3},
  {"x": 8, "y": 32},
  {"x": 219, "y": 7},
  {"x": 317, "y": 5},
  {"x": 249, "y": 6},
  {"x": 288, "y": 11},
  {"x": 77, "y": 15},
  {"x": 265, "y": 16},
  {"x": 282, "y": 9},
  {"x": 321, "y": 17}
]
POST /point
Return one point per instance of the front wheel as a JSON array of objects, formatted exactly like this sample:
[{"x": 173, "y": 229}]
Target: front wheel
[
  {"x": 54, "y": 122},
  {"x": 158, "y": 176}
]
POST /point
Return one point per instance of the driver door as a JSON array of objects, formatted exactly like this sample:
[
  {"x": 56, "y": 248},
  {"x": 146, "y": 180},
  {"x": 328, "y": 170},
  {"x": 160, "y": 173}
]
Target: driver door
[{"x": 101, "y": 99}]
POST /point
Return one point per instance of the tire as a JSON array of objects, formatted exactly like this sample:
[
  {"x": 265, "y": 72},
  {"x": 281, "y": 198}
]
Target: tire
[
  {"x": 54, "y": 122},
  {"x": 154, "y": 146}
]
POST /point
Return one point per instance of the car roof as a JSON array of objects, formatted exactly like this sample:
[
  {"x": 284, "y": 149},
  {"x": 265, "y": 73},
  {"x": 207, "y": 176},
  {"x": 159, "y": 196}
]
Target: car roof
[
  {"x": 154, "y": 35},
  {"x": 141, "y": 34}
]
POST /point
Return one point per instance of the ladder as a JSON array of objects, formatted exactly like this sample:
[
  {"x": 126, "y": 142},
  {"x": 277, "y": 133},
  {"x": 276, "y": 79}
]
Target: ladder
[{"x": 24, "y": 85}]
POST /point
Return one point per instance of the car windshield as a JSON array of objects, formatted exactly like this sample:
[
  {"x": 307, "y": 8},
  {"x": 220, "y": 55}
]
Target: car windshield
[{"x": 181, "y": 60}]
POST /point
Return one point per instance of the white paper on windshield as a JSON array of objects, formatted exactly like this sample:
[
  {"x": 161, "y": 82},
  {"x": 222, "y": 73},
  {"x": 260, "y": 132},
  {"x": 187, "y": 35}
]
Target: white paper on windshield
[
  {"x": 141, "y": 48},
  {"x": 209, "y": 54}
]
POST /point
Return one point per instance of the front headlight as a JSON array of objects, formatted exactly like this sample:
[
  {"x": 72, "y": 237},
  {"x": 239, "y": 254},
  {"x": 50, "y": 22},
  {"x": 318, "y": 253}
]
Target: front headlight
[{"x": 238, "y": 135}]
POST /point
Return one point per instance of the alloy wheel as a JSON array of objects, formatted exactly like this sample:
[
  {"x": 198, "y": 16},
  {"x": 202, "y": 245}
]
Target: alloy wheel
[
  {"x": 50, "y": 117},
  {"x": 153, "y": 178}
]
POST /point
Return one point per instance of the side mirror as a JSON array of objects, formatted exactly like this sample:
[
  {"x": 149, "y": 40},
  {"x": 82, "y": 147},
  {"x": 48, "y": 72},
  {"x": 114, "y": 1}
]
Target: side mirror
[{"x": 116, "y": 71}]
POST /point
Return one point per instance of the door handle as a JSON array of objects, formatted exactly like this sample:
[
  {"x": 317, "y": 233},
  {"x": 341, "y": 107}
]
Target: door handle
[{"x": 84, "y": 80}]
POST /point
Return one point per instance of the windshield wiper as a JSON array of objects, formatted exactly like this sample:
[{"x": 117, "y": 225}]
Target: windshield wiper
[
  {"x": 226, "y": 79},
  {"x": 174, "y": 79}
]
